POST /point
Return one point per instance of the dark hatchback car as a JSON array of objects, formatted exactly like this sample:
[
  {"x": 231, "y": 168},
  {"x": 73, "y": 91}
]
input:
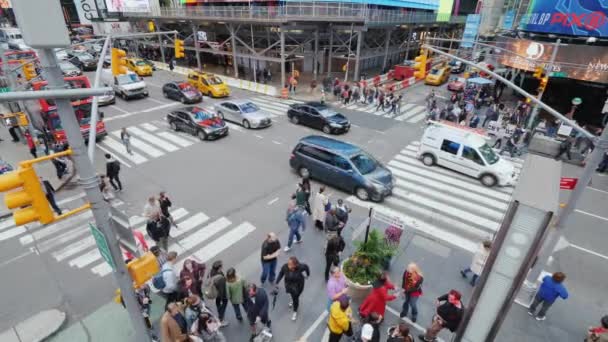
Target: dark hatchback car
[
  {"x": 182, "y": 91},
  {"x": 198, "y": 121},
  {"x": 83, "y": 60},
  {"x": 318, "y": 115},
  {"x": 342, "y": 165}
]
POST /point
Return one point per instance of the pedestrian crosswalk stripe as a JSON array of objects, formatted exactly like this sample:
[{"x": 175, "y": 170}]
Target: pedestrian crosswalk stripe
[
  {"x": 56, "y": 241},
  {"x": 203, "y": 234},
  {"x": 421, "y": 226},
  {"x": 74, "y": 248},
  {"x": 273, "y": 102},
  {"x": 225, "y": 241},
  {"x": 175, "y": 139},
  {"x": 151, "y": 138},
  {"x": 416, "y": 110},
  {"x": 142, "y": 146},
  {"x": 6, "y": 224},
  {"x": 273, "y": 111},
  {"x": 55, "y": 228},
  {"x": 407, "y": 107},
  {"x": 102, "y": 269},
  {"x": 10, "y": 233},
  {"x": 189, "y": 224},
  {"x": 150, "y": 127},
  {"x": 417, "y": 117},
  {"x": 233, "y": 126},
  {"x": 85, "y": 259},
  {"x": 120, "y": 149}
]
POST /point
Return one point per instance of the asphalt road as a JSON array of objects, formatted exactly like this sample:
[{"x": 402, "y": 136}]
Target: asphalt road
[{"x": 228, "y": 194}]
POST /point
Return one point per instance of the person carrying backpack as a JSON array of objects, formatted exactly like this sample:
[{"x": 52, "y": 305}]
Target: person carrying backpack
[
  {"x": 216, "y": 289},
  {"x": 166, "y": 280}
]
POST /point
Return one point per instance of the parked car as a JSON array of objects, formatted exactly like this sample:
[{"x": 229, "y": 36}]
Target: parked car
[
  {"x": 82, "y": 59},
  {"x": 68, "y": 69},
  {"x": 198, "y": 121},
  {"x": 318, "y": 115},
  {"x": 342, "y": 165},
  {"x": 244, "y": 112},
  {"x": 127, "y": 86},
  {"x": 139, "y": 67},
  {"x": 464, "y": 150},
  {"x": 208, "y": 84},
  {"x": 182, "y": 91},
  {"x": 457, "y": 84}
]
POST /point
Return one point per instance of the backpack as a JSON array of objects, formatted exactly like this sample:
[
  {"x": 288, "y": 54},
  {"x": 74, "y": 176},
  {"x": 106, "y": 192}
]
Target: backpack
[
  {"x": 158, "y": 281},
  {"x": 209, "y": 289}
]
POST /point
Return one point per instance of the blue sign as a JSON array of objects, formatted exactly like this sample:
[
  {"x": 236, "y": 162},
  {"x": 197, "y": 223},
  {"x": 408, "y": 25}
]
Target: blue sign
[
  {"x": 507, "y": 23},
  {"x": 470, "y": 30},
  {"x": 569, "y": 17}
]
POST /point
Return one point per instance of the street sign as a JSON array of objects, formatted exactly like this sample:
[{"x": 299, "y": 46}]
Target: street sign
[
  {"x": 102, "y": 245},
  {"x": 559, "y": 74},
  {"x": 567, "y": 183}
]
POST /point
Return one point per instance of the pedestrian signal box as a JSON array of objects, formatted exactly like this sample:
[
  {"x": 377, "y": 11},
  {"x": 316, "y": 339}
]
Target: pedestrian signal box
[
  {"x": 143, "y": 268},
  {"x": 119, "y": 62},
  {"x": 420, "y": 65},
  {"x": 179, "y": 48},
  {"x": 31, "y": 198}
]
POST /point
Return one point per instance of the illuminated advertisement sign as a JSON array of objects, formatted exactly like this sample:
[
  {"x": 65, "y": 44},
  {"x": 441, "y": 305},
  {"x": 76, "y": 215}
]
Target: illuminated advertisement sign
[
  {"x": 128, "y": 5},
  {"x": 582, "y": 62},
  {"x": 470, "y": 30},
  {"x": 445, "y": 10},
  {"x": 420, "y": 4},
  {"x": 571, "y": 17}
]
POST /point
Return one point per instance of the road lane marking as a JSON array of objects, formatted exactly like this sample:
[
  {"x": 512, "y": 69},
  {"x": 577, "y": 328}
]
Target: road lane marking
[
  {"x": 122, "y": 162},
  {"x": 225, "y": 241},
  {"x": 598, "y": 190},
  {"x": 74, "y": 248},
  {"x": 22, "y": 255},
  {"x": 258, "y": 136},
  {"x": 592, "y": 215},
  {"x": 120, "y": 149},
  {"x": 589, "y": 251},
  {"x": 273, "y": 200},
  {"x": 148, "y": 126},
  {"x": 147, "y": 149},
  {"x": 86, "y": 259},
  {"x": 119, "y": 109},
  {"x": 189, "y": 224},
  {"x": 314, "y": 326},
  {"x": 56, "y": 227},
  {"x": 157, "y": 101},
  {"x": 276, "y": 142},
  {"x": 204, "y": 233},
  {"x": 175, "y": 139}
]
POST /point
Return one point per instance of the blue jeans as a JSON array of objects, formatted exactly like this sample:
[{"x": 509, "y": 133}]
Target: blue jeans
[
  {"x": 293, "y": 232},
  {"x": 475, "y": 276},
  {"x": 410, "y": 301},
  {"x": 268, "y": 271}
]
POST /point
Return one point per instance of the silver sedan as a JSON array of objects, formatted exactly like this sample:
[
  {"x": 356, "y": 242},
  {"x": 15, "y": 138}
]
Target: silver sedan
[{"x": 245, "y": 113}]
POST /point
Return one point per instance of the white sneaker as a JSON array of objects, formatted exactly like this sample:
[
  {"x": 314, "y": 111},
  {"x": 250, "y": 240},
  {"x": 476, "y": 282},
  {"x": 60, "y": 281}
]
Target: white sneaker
[
  {"x": 294, "y": 316},
  {"x": 287, "y": 248}
]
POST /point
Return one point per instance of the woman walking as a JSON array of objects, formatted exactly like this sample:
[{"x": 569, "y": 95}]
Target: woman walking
[
  {"x": 319, "y": 208},
  {"x": 412, "y": 290},
  {"x": 478, "y": 262},
  {"x": 295, "y": 275},
  {"x": 125, "y": 137},
  {"x": 236, "y": 288},
  {"x": 195, "y": 271},
  {"x": 221, "y": 301}
]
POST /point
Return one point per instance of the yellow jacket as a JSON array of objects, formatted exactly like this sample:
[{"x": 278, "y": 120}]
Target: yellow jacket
[{"x": 339, "y": 320}]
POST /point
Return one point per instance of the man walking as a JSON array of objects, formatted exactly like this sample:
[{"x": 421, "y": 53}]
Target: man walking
[
  {"x": 158, "y": 229},
  {"x": 112, "y": 171},
  {"x": 170, "y": 279},
  {"x": 31, "y": 144},
  {"x": 564, "y": 147},
  {"x": 165, "y": 203},
  {"x": 271, "y": 248},
  {"x": 550, "y": 289},
  {"x": 257, "y": 307},
  {"x": 50, "y": 195},
  {"x": 448, "y": 315},
  {"x": 125, "y": 137},
  {"x": 295, "y": 220}
]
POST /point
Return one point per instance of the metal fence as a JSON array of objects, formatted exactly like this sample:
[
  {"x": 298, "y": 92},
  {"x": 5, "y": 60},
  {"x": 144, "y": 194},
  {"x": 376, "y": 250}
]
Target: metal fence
[{"x": 308, "y": 11}]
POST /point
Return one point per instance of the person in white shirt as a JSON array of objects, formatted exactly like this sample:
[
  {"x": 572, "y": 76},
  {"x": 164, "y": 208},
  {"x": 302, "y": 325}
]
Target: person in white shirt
[
  {"x": 170, "y": 278},
  {"x": 152, "y": 208}
]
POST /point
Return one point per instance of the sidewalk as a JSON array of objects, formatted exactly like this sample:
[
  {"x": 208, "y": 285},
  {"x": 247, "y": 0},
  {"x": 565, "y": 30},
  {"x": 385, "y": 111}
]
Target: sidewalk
[{"x": 36, "y": 328}]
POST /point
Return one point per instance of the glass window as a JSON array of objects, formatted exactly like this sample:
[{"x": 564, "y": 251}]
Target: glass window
[
  {"x": 140, "y": 63},
  {"x": 341, "y": 163},
  {"x": 488, "y": 154},
  {"x": 183, "y": 116},
  {"x": 364, "y": 163},
  {"x": 249, "y": 107},
  {"x": 450, "y": 147},
  {"x": 315, "y": 153},
  {"x": 471, "y": 154},
  {"x": 328, "y": 112},
  {"x": 201, "y": 114}
]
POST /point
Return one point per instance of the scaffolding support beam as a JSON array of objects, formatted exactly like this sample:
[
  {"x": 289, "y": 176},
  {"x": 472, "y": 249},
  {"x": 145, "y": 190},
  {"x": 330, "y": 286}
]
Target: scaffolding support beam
[
  {"x": 357, "y": 55},
  {"x": 331, "y": 48},
  {"x": 386, "y": 47},
  {"x": 315, "y": 60},
  {"x": 233, "y": 42},
  {"x": 282, "y": 57},
  {"x": 196, "y": 53}
]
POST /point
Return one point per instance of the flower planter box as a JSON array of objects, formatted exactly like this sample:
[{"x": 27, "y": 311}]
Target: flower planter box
[{"x": 355, "y": 290}]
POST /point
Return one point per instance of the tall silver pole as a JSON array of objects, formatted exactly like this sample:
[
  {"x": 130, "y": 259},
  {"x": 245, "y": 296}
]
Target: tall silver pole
[
  {"x": 350, "y": 41},
  {"x": 198, "y": 57},
  {"x": 282, "y": 57},
  {"x": 386, "y": 47},
  {"x": 89, "y": 181},
  {"x": 255, "y": 80},
  {"x": 358, "y": 56},
  {"x": 316, "y": 59},
  {"x": 331, "y": 49},
  {"x": 233, "y": 42},
  {"x": 160, "y": 44},
  {"x": 536, "y": 108},
  {"x": 95, "y": 106}
]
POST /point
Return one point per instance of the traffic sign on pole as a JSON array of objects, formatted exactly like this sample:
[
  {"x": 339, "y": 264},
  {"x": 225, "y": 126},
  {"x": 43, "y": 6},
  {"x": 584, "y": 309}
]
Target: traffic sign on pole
[
  {"x": 567, "y": 183},
  {"x": 102, "y": 245}
]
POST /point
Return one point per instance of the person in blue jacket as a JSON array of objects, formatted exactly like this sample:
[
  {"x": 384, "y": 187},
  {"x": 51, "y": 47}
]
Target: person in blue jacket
[{"x": 550, "y": 289}]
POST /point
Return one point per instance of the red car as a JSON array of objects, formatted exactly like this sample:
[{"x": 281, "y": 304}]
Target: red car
[{"x": 456, "y": 84}]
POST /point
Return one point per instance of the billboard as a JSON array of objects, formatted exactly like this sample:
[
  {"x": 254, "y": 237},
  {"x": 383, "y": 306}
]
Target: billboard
[
  {"x": 128, "y": 5},
  {"x": 507, "y": 20},
  {"x": 572, "y": 17},
  {"x": 445, "y": 10},
  {"x": 87, "y": 10},
  {"x": 470, "y": 30},
  {"x": 581, "y": 62}
]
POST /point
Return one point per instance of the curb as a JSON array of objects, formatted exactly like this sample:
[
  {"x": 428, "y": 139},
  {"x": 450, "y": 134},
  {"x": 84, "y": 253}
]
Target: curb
[{"x": 36, "y": 328}]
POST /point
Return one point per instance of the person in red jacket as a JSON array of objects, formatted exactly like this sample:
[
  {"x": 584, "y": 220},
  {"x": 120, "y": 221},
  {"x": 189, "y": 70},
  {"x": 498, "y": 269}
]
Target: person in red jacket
[
  {"x": 377, "y": 299},
  {"x": 31, "y": 144}
]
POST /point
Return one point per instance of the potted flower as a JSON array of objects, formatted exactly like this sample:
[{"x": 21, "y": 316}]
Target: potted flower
[{"x": 367, "y": 263}]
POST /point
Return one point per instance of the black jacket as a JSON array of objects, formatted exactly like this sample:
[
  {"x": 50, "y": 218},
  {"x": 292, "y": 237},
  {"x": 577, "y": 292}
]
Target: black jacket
[
  {"x": 450, "y": 313},
  {"x": 294, "y": 280},
  {"x": 158, "y": 229},
  {"x": 219, "y": 283},
  {"x": 258, "y": 307},
  {"x": 164, "y": 204},
  {"x": 112, "y": 168},
  {"x": 334, "y": 246}
]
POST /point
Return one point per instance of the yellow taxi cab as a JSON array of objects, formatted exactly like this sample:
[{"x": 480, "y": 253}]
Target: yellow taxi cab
[
  {"x": 438, "y": 75},
  {"x": 208, "y": 84},
  {"x": 139, "y": 66}
]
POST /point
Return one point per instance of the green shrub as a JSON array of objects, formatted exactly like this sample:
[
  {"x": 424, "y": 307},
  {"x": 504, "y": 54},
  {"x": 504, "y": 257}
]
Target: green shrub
[{"x": 366, "y": 263}]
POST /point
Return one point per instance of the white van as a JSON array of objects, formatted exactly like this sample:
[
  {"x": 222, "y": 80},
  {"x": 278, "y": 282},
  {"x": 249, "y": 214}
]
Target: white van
[
  {"x": 127, "y": 86},
  {"x": 464, "y": 150},
  {"x": 10, "y": 38}
]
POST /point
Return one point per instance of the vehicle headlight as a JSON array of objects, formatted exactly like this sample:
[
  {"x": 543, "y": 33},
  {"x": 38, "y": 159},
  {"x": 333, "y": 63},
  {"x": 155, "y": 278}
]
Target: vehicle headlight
[{"x": 335, "y": 125}]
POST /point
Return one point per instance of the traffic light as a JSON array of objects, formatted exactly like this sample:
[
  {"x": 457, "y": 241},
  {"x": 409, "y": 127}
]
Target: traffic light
[
  {"x": 543, "y": 84},
  {"x": 420, "y": 65},
  {"x": 179, "y": 48},
  {"x": 151, "y": 27},
  {"x": 143, "y": 268},
  {"x": 29, "y": 70},
  {"x": 31, "y": 199},
  {"x": 119, "y": 62},
  {"x": 538, "y": 72}
]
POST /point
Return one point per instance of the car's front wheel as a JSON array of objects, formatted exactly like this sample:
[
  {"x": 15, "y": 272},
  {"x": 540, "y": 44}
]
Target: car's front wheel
[
  {"x": 202, "y": 135},
  {"x": 362, "y": 194},
  {"x": 488, "y": 180},
  {"x": 428, "y": 159},
  {"x": 183, "y": 100},
  {"x": 326, "y": 129},
  {"x": 294, "y": 120},
  {"x": 246, "y": 124},
  {"x": 173, "y": 126},
  {"x": 221, "y": 115}
]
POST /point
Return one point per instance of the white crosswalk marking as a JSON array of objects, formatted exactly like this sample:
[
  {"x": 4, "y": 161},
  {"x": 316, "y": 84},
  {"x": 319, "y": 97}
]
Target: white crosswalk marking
[
  {"x": 175, "y": 139},
  {"x": 150, "y": 127},
  {"x": 120, "y": 149},
  {"x": 442, "y": 203},
  {"x": 85, "y": 259},
  {"x": 416, "y": 110},
  {"x": 204, "y": 233},
  {"x": 189, "y": 224},
  {"x": 74, "y": 248},
  {"x": 55, "y": 228},
  {"x": 142, "y": 146},
  {"x": 151, "y": 138},
  {"x": 223, "y": 242}
]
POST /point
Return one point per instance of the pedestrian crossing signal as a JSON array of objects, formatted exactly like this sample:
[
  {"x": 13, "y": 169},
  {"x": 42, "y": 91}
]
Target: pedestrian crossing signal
[
  {"x": 420, "y": 65},
  {"x": 143, "y": 269},
  {"x": 31, "y": 199},
  {"x": 538, "y": 72}
]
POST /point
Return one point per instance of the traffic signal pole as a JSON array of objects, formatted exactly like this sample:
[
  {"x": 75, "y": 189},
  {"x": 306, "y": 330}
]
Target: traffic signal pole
[
  {"x": 89, "y": 181},
  {"x": 536, "y": 108}
]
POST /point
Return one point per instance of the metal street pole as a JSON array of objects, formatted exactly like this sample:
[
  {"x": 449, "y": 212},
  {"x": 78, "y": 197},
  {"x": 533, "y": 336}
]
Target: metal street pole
[
  {"x": 95, "y": 105},
  {"x": 195, "y": 36},
  {"x": 253, "y": 47},
  {"x": 88, "y": 180},
  {"x": 536, "y": 109}
]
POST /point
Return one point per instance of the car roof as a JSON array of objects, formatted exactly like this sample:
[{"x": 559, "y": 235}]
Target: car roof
[
  {"x": 331, "y": 144},
  {"x": 239, "y": 102},
  {"x": 315, "y": 104},
  {"x": 177, "y": 82}
]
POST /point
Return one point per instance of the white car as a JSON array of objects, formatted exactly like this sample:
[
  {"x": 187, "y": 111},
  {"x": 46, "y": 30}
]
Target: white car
[
  {"x": 68, "y": 69},
  {"x": 245, "y": 113}
]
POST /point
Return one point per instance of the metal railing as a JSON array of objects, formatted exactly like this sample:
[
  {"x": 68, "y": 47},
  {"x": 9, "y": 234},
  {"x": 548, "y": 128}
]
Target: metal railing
[{"x": 300, "y": 11}]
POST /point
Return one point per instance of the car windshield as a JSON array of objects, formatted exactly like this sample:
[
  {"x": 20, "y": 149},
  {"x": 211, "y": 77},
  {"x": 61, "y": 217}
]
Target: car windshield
[
  {"x": 434, "y": 71},
  {"x": 201, "y": 114},
  {"x": 126, "y": 79},
  {"x": 364, "y": 163},
  {"x": 327, "y": 112},
  {"x": 249, "y": 107},
  {"x": 488, "y": 154},
  {"x": 84, "y": 56},
  {"x": 140, "y": 63},
  {"x": 214, "y": 80},
  {"x": 185, "y": 87},
  {"x": 66, "y": 66}
]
